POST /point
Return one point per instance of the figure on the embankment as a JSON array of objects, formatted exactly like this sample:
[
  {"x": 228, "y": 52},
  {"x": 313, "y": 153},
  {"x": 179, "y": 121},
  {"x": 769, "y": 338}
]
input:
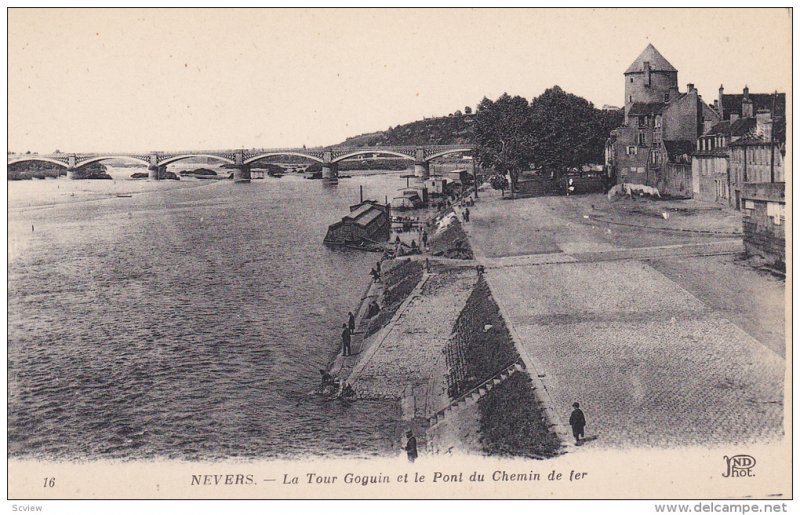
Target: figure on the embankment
[
  {"x": 578, "y": 421},
  {"x": 345, "y": 340},
  {"x": 411, "y": 446}
]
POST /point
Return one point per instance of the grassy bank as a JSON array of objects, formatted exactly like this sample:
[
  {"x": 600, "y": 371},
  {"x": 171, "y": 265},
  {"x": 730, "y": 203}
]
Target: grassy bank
[
  {"x": 451, "y": 242},
  {"x": 476, "y": 354},
  {"x": 511, "y": 422}
]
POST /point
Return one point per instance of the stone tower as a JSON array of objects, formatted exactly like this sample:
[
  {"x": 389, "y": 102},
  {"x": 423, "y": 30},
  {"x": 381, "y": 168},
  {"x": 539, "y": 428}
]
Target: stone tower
[{"x": 650, "y": 79}]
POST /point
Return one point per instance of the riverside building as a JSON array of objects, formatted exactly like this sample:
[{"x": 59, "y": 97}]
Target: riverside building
[{"x": 660, "y": 128}]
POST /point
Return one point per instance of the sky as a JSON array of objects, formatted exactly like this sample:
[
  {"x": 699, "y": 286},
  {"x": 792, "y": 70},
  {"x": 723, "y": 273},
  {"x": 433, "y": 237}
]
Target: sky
[{"x": 91, "y": 80}]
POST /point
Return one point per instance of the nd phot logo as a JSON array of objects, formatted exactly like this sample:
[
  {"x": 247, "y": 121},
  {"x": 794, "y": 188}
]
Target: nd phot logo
[{"x": 740, "y": 465}]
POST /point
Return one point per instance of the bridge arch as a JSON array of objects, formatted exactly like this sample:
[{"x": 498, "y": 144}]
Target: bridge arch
[
  {"x": 372, "y": 151},
  {"x": 447, "y": 152},
  {"x": 81, "y": 164},
  {"x": 36, "y": 158},
  {"x": 270, "y": 154},
  {"x": 175, "y": 159}
]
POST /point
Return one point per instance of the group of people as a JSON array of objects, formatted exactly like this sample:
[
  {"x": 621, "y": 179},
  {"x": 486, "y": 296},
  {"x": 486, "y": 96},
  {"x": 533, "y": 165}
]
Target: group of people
[
  {"x": 331, "y": 384},
  {"x": 376, "y": 272}
]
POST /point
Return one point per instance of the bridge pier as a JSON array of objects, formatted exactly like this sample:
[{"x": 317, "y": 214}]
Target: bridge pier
[
  {"x": 241, "y": 174},
  {"x": 72, "y": 173},
  {"x": 422, "y": 170},
  {"x": 330, "y": 171},
  {"x": 155, "y": 172}
]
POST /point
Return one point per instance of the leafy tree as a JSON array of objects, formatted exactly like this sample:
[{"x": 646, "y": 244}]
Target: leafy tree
[
  {"x": 503, "y": 130},
  {"x": 467, "y": 110},
  {"x": 568, "y": 131}
]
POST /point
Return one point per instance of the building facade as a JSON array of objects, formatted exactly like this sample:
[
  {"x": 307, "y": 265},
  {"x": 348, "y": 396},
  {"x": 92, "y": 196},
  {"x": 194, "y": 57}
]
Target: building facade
[
  {"x": 720, "y": 167},
  {"x": 660, "y": 123}
]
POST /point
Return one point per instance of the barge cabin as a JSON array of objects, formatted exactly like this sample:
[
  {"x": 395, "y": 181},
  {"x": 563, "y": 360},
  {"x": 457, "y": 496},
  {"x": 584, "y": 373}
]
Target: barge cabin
[{"x": 367, "y": 222}]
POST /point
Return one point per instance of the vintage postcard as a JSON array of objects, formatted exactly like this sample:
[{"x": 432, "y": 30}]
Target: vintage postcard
[{"x": 399, "y": 253}]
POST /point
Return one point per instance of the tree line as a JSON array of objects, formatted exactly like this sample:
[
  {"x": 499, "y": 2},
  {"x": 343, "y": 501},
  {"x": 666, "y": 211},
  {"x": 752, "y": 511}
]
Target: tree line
[{"x": 553, "y": 132}]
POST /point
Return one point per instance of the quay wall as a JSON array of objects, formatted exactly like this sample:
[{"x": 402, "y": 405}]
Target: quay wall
[{"x": 764, "y": 221}]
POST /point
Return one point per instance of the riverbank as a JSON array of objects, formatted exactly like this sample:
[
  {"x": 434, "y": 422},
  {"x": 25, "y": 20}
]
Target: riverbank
[
  {"x": 441, "y": 349},
  {"x": 52, "y": 192}
]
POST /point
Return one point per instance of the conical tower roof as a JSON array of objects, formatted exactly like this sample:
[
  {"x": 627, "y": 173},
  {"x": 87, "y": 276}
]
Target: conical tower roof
[{"x": 658, "y": 63}]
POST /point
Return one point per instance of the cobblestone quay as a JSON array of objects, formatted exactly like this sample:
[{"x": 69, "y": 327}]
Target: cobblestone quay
[{"x": 650, "y": 362}]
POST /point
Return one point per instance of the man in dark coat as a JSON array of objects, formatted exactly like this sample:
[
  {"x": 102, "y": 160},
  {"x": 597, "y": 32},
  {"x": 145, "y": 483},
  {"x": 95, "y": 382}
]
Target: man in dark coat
[
  {"x": 351, "y": 322},
  {"x": 345, "y": 340},
  {"x": 578, "y": 422},
  {"x": 411, "y": 446}
]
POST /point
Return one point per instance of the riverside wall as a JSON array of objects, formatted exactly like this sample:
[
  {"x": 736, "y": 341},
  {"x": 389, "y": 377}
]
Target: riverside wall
[{"x": 440, "y": 348}]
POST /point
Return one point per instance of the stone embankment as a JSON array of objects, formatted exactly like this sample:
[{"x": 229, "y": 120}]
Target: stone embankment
[{"x": 440, "y": 347}]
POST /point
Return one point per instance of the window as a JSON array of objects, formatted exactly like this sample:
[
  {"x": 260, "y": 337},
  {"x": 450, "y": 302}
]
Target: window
[
  {"x": 630, "y": 97},
  {"x": 631, "y": 150},
  {"x": 631, "y": 80},
  {"x": 666, "y": 97},
  {"x": 658, "y": 121},
  {"x": 642, "y": 138}
]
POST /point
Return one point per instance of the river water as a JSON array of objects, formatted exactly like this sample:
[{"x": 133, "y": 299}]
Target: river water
[{"x": 186, "y": 321}]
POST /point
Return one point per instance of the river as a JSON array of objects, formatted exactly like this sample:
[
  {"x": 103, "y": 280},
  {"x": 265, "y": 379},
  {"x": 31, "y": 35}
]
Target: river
[{"x": 185, "y": 321}]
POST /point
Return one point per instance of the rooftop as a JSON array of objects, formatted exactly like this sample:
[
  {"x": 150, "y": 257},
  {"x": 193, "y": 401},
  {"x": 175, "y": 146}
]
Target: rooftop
[
  {"x": 658, "y": 62},
  {"x": 645, "y": 109},
  {"x": 740, "y": 127},
  {"x": 733, "y": 103}
]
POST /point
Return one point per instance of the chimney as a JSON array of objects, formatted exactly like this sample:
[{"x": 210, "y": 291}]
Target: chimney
[
  {"x": 764, "y": 123},
  {"x": 690, "y": 87},
  {"x": 747, "y": 104}
]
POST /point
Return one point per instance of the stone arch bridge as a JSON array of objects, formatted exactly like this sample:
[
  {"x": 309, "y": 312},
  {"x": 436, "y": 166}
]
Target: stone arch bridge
[{"x": 242, "y": 159}]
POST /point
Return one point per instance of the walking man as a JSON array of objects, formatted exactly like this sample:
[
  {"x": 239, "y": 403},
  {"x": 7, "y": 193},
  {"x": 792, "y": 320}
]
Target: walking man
[
  {"x": 578, "y": 422},
  {"x": 411, "y": 446},
  {"x": 345, "y": 340},
  {"x": 466, "y": 214},
  {"x": 351, "y": 322}
]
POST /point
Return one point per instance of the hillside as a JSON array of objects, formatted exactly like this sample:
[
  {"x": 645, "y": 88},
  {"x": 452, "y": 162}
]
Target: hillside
[{"x": 445, "y": 130}]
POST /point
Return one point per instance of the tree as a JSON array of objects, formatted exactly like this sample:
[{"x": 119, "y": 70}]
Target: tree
[
  {"x": 467, "y": 110},
  {"x": 568, "y": 131},
  {"x": 503, "y": 131}
]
